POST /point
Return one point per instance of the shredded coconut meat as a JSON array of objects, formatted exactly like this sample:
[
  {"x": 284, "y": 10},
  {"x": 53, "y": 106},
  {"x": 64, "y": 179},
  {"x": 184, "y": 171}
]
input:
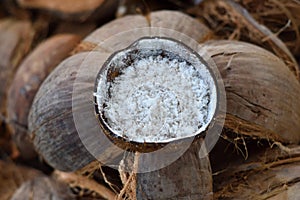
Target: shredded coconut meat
[{"x": 156, "y": 99}]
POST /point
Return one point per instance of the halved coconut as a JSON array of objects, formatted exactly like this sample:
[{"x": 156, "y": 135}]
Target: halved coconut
[{"x": 154, "y": 92}]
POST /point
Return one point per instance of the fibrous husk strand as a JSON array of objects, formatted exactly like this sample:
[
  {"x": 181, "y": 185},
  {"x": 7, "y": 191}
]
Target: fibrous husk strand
[
  {"x": 232, "y": 21},
  {"x": 84, "y": 183},
  {"x": 282, "y": 17}
]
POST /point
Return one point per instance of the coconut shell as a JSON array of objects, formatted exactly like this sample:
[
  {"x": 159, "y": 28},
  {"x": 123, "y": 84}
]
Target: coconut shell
[
  {"x": 12, "y": 176},
  {"x": 16, "y": 38},
  {"x": 73, "y": 10},
  {"x": 262, "y": 93},
  {"x": 28, "y": 78},
  {"x": 163, "y": 19},
  {"x": 189, "y": 177},
  {"x": 43, "y": 188},
  {"x": 51, "y": 123},
  {"x": 267, "y": 174}
]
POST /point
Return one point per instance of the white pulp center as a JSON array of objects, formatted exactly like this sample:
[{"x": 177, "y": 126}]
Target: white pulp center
[{"x": 156, "y": 99}]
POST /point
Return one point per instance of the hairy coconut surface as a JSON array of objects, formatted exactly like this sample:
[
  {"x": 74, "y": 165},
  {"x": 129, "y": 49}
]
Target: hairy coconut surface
[
  {"x": 271, "y": 173},
  {"x": 84, "y": 186},
  {"x": 230, "y": 20},
  {"x": 262, "y": 93},
  {"x": 282, "y": 17},
  {"x": 28, "y": 78}
]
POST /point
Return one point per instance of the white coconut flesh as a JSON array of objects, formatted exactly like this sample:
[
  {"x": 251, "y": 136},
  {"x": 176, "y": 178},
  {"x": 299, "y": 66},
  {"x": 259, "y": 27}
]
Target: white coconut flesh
[{"x": 162, "y": 92}]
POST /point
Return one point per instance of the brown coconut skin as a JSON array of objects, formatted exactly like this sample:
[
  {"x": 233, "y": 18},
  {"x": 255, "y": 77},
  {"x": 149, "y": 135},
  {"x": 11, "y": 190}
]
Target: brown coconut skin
[
  {"x": 43, "y": 188},
  {"x": 268, "y": 173},
  {"x": 189, "y": 177},
  {"x": 27, "y": 80},
  {"x": 262, "y": 93},
  {"x": 16, "y": 39},
  {"x": 51, "y": 123},
  {"x": 73, "y": 10},
  {"x": 163, "y": 19},
  {"x": 13, "y": 176}
]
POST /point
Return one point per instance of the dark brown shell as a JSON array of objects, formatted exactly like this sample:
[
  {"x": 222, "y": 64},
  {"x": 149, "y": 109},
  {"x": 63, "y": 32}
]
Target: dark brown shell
[
  {"x": 262, "y": 93},
  {"x": 28, "y": 78}
]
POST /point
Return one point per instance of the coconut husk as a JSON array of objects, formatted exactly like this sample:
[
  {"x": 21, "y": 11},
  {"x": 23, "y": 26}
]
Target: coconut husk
[
  {"x": 230, "y": 20},
  {"x": 84, "y": 186},
  {"x": 12, "y": 176},
  {"x": 189, "y": 177},
  {"x": 282, "y": 17},
  {"x": 43, "y": 188},
  {"x": 16, "y": 39},
  {"x": 29, "y": 76},
  {"x": 73, "y": 10},
  {"x": 262, "y": 93},
  {"x": 268, "y": 173}
]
